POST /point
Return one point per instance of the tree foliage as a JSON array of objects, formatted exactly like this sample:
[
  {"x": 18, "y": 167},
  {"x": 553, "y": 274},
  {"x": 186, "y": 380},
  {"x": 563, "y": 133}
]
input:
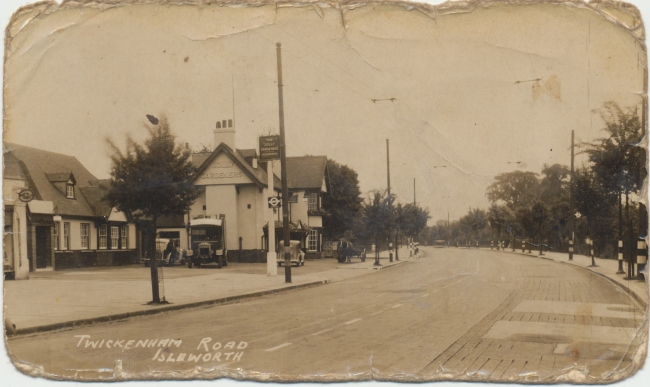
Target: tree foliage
[
  {"x": 513, "y": 188},
  {"x": 343, "y": 202},
  {"x": 152, "y": 179}
]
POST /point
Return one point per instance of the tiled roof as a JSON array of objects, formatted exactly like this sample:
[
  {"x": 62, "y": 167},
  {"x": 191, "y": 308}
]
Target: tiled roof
[
  {"x": 306, "y": 172},
  {"x": 12, "y": 167},
  {"x": 58, "y": 176},
  {"x": 39, "y": 163},
  {"x": 198, "y": 159},
  {"x": 170, "y": 221},
  {"x": 247, "y": 153},
  {"x": 94, "y": 194}
]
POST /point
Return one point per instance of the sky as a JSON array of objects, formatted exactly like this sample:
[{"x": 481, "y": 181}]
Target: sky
[
  {"x": 458, "y": 117},
  {"x": 461, "y": 97}
]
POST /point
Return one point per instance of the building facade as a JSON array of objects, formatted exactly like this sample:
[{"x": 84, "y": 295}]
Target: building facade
[
  {"x": 68, "y": 224},
  {"x": 307, "y": 182},
  {"x": 234, "y": 186}
]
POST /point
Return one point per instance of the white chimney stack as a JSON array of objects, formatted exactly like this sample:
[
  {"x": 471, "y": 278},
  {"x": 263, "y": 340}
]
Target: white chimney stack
[{"x": 224, "y": 133}]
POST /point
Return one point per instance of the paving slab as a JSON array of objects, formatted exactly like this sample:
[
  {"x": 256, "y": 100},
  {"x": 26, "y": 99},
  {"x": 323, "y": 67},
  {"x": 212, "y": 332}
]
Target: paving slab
[{"x": 56, "y": 300}]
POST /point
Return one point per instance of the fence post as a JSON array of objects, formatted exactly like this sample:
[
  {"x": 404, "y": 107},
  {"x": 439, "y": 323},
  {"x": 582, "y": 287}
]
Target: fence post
[
  {"x": 641, "y": 255},
  {"x": 570, "y": 249},
  {"x": 620, "y": 257}
]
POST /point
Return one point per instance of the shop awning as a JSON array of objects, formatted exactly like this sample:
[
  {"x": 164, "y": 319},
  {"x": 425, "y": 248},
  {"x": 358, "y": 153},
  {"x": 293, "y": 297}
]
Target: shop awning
[
  {"x": 41, "y": 207},
  {"x": 41, "y": 212}
]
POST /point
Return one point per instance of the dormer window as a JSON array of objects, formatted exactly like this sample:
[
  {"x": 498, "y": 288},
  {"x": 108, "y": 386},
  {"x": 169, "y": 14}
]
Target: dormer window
[
  {"x": 64, "y": 182},
  {"x": 70, "y": 191}
]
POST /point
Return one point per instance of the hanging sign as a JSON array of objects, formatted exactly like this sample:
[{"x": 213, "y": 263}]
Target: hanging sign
[{"x": 269, "y": 148}]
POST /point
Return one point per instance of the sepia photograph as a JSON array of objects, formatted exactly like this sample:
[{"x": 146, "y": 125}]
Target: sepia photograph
[{"x": 339, "y": 191}]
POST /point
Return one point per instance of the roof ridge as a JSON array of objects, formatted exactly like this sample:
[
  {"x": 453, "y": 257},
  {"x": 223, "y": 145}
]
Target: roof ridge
[{"x": 36, "y": 149}]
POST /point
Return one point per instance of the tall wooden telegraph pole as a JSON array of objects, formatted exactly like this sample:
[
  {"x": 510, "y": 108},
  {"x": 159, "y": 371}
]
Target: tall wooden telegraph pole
[{"x": 283, "y": 168}]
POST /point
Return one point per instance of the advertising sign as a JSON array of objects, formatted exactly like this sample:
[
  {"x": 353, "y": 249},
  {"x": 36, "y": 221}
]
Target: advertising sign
[{"x": 269, "y": 148}]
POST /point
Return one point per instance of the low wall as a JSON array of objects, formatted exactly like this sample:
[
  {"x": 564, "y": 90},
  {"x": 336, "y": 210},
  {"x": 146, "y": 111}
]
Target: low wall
[
  {"x": 76, "y": 259},
  {"x": 318, "y": 255},
  {"x": 247, "y": 256}
]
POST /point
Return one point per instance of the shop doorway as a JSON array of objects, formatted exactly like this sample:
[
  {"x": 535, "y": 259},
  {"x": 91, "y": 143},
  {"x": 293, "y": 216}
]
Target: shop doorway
[{"x": 43, "y": 248}]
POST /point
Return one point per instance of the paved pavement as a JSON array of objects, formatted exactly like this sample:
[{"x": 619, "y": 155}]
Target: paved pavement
[
  {"x": 58, "y": 299},
  {"x": 605, "y": 267},
  {"x": 455, "y": 313}
]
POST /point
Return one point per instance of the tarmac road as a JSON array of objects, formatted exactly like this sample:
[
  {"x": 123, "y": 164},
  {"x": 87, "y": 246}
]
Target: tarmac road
[{"x": 472, "y": 314}]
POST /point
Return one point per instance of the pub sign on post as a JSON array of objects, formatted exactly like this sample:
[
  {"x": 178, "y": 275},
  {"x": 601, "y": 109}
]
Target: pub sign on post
[{"x": 269, "y": 148}]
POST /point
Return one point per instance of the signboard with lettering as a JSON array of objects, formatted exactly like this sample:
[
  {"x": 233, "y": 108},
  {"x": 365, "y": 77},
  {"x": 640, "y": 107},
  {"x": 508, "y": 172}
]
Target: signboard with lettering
[
  {"x": 269, "y": 148},
  {"x": 222, "y": 170}
]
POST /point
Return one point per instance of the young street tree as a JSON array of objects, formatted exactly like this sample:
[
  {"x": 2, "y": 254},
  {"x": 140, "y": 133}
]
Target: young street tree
[
  {"x": 377, "y": 219},
  {"x": 151, "y": 180},
  {"x": 343, "y": 202}
]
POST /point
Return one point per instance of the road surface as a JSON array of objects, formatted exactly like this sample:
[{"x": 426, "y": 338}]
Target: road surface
[{"x": 456, "y": 313}]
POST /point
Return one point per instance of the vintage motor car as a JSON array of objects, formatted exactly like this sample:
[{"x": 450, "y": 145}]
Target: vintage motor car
[
  {"x": 208, "y": 241},
  {"x": 297, "y": 256},
  {"x": 168, "y": 253}
]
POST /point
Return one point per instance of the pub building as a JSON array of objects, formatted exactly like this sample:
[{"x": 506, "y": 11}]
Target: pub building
[
  {"x": 233, "y": 186},
  {"x": 66, "y": 222}
]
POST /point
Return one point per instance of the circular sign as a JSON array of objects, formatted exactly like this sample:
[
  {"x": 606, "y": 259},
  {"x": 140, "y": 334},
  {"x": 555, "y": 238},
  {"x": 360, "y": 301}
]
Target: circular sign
[
  {"x": 274, "y": 201},
  {"x": 25, "y": 195}
]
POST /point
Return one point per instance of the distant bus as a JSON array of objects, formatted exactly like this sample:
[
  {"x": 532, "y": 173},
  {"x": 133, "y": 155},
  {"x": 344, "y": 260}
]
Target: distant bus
[{"x": 208, "y": 242}]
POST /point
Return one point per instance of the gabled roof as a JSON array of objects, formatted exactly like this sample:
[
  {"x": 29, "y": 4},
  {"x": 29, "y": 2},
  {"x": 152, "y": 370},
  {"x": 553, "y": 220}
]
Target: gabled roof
[
  {"x": 37, "y": 164},
  {"x": 58, "y": 177},
  {"x": 257, "y": 175},
  {"x": 306, "y": 172}
]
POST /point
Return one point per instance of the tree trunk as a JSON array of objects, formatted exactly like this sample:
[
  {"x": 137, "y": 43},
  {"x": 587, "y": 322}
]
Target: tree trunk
[
  {"x": 396, "y": 244},
  {"x": 155, "y": 290}
]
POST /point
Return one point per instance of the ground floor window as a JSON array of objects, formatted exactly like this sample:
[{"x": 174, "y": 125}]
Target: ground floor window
[
  {"x": 85, "y": 235},
  {"x": 312, "y": 243},
  {"x": 55, "y": 237},
  {"x": 66, "y": 236},
  {"x": 115, "y": 234},
  {"x": 125, "y": 237},
  {"x": 103, "y": 229}
]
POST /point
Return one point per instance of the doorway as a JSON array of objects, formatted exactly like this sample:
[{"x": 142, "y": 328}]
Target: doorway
[{"x": 43, "y": 247}]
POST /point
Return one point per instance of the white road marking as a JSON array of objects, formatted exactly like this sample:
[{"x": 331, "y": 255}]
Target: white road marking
[
  {"x": 578, "y": 309},
  {"x": 396, "y": 306},
  {"x": 425, "y": 295},
  {"x": 560, "y": 333},
  {"x": 352, "y": 321},
  {"x": 321, "y": 332},
  {"x": 278, "y": 347}
]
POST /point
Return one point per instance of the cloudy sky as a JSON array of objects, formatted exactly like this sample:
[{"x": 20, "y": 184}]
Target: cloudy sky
[{"x": 474, "y": 94}]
